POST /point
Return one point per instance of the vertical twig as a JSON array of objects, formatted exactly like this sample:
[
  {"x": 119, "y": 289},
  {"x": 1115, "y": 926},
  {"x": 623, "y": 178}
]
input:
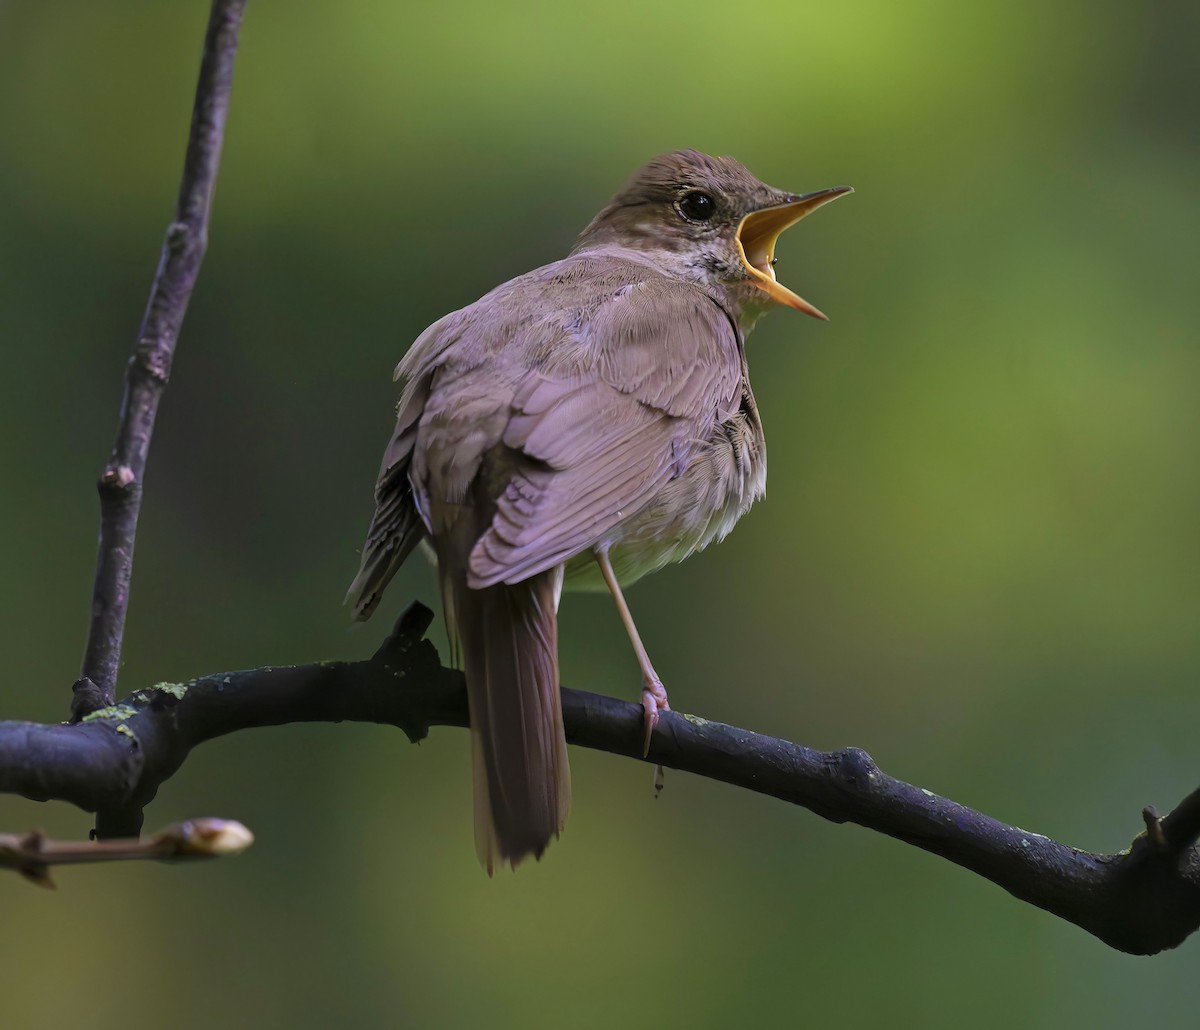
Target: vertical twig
[{"x": 150, "y": 364}]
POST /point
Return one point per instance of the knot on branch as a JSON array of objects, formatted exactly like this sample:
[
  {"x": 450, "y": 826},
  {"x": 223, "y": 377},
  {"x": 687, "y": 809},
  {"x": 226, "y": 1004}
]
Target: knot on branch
[
  {"x": 1154, "y": 829},
  {"x": 117, "y": 480},
  {"x": 178, "y": 234},
  {"x": 418, "y": 691},
  {"x": 856, "y": 768},
  {"x": 86, "y": 698},
  {"x": 408, "y": 631},
  {"x": 152, "y": 360},
  {"x": 187, "y": 240}
]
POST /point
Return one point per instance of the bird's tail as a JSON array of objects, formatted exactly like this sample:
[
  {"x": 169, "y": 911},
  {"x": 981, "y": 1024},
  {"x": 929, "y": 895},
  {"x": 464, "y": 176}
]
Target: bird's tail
[{"x": 508, "y": 634}]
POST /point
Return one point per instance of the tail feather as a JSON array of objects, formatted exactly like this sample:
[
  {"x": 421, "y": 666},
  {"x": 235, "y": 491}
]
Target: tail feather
[{"x": 509, "y": 639}]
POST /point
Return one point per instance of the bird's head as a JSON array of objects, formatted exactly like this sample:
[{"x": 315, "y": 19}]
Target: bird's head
[{"x": 708, "y": 220}]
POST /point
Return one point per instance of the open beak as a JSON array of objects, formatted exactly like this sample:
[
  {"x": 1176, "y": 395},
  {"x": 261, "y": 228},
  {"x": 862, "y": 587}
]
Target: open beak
[{"x": 756, "y": 237}]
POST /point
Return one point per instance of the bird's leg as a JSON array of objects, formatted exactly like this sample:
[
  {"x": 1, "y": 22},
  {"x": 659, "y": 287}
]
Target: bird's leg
[{"x": 654, "y": 694}]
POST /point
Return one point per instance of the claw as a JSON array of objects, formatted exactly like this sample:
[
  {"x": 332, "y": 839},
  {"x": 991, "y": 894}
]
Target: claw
[{"x": 654, "y": 700}]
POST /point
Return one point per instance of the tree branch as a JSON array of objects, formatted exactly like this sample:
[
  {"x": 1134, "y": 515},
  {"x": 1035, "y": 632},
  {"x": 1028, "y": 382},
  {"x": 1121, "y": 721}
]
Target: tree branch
[
  {"x": 32, "y": 854},
  {"x": 149, "y": 366},
  {"x": 1141, "y": 900}
]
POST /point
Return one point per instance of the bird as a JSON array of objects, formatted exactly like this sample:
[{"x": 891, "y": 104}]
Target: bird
[{"x": 583, "y": 424}]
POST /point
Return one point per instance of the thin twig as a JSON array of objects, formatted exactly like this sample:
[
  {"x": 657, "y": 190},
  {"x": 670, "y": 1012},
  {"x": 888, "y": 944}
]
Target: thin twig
[
  {"x": 150, "y": 364},
  {"x": 1139, "y": 900},
  {"x": 32, "y": 854}
]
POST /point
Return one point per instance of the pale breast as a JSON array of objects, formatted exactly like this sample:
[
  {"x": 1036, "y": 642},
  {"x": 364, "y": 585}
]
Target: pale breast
[{"x": 696, "y": 508}]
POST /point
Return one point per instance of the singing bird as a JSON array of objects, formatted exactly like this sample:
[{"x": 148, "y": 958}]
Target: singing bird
[{"x": 587, "y": 422}]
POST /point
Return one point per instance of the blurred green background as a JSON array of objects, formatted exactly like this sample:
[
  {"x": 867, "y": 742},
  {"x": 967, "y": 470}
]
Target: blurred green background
[{"x": 978, "y": 559}]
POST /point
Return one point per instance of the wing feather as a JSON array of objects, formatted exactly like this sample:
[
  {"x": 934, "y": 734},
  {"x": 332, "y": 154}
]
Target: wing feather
[
  {"x": 570, "y": 397},
  {"x": 601, "y": 439}
]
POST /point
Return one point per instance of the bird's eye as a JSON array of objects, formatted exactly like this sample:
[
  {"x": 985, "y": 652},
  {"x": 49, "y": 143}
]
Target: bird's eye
[{"x": 696, "y": 206}]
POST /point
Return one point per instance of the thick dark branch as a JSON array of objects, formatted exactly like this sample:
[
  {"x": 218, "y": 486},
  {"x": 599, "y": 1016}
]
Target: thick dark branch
[
  {"x": 1141, "y": 900},
  {"x": 150, "y": 365}
]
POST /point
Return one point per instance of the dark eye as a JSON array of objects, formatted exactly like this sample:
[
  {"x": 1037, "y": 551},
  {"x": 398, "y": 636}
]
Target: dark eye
[{"x": 696, "y": 206}]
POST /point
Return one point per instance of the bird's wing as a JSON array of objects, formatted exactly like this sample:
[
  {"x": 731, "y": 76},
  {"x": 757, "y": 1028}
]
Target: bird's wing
[
  {"x": 397, "y": 527},
  {"x": 563, "y": 410}
]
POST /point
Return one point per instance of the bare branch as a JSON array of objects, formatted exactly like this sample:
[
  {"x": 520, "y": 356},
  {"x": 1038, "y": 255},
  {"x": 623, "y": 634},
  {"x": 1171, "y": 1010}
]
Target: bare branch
[
  {"x": 150, "y": 364},
  {"x": 32, "y": 854},
  {"x": 1181, "y": 829},
  {"x": 1140, "y": 900}
]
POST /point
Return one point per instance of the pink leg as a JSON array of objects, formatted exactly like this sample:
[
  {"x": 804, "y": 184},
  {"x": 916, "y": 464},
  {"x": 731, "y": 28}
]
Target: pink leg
[{"x": 654, "y": 694}]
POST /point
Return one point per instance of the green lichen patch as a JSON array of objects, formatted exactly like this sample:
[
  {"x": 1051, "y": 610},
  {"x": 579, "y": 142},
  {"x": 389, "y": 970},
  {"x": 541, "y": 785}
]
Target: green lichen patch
[
  {"x": 176, "y": 690},
  {"x": 112, "y": 712}
]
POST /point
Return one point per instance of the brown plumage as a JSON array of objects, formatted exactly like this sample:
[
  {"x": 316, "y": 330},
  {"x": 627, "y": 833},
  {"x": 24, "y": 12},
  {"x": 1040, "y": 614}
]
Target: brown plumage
[{"x": 592, "y": 416}]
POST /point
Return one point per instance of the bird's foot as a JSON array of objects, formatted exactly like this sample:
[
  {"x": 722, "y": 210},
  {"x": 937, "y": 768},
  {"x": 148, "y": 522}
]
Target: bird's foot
[{"x": 654, "y": 700}]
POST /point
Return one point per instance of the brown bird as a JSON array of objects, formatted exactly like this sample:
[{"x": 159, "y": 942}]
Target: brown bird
[{"x": 591, "y": 421}]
